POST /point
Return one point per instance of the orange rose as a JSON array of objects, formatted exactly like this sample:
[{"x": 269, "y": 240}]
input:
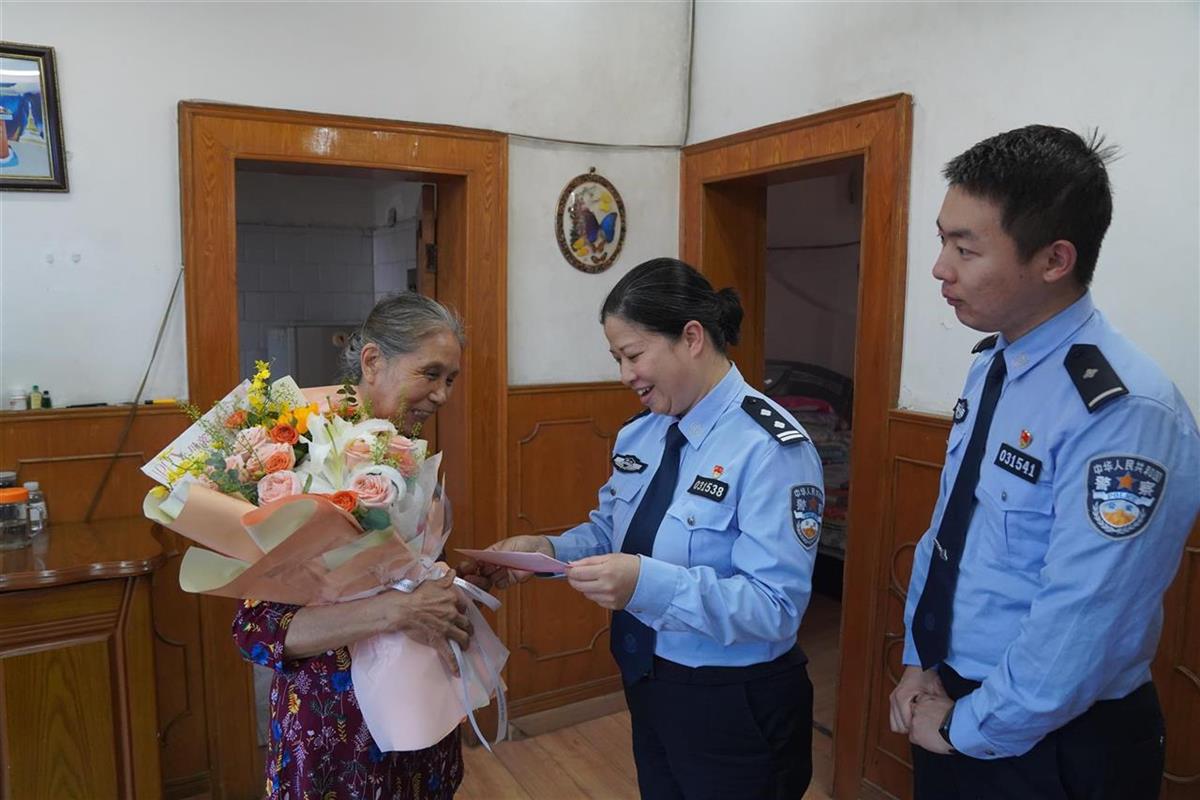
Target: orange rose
[
  {"x": 277, "y": 462},
  {"x": 270, "y": 458},
  {"x": 236, "y": 420},
  {"x": 346, "y": 500},
  {"x": 284, "y": 434}
]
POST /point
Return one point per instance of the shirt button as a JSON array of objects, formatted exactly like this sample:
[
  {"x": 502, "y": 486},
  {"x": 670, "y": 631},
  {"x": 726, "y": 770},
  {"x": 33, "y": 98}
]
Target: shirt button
[
  {"x": 691, "y": 520},
  {"x": 1004, "y": 495},
  {"x": 990, "y": 752},
  {"x": 612, "y": 491}
]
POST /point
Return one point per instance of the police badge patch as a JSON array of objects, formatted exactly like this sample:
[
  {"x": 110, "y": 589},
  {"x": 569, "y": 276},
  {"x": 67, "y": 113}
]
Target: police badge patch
[
  {"x": 1123, "y": 492},
  {"x": 960, "y": 410},
  {"x": 808, "y": 503},
  {"x": 628, "y": 463}
]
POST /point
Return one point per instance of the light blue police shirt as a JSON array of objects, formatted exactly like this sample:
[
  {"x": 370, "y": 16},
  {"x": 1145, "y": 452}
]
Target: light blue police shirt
[
  {"x": 1080, "y": 522},
  {"x": 731, "y": 571}
]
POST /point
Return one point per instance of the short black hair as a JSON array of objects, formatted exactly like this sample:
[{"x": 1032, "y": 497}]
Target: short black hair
[
  {"x": 665, "y": 294},
  {"x": 1050, "y": 184}
]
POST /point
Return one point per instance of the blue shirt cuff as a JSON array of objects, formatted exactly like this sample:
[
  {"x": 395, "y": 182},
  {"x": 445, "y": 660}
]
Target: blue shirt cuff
[
  {"x": 569, "y": 548},
  {"x": 654, "y": 591},
  {"x": 911, "y": 657},
  {"x": 965, "y": 734}
]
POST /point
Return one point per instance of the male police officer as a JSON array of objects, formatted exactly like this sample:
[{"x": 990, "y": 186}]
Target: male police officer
[{"x": 1072, "y": 480}]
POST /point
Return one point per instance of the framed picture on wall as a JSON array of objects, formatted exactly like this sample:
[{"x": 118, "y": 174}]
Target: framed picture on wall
[
  {"x": 32, "y": 157},
  {"x": 590, "y": 222}
]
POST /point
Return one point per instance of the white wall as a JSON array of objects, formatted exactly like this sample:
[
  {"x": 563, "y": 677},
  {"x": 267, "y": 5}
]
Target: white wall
[
  {"x": 975, "y": 70},
  {"x": 611, "y": 73},
  {"x": 554, "y": 333}
]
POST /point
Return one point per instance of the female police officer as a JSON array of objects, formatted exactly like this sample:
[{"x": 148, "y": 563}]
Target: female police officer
[{"x": 703, "y": 547}]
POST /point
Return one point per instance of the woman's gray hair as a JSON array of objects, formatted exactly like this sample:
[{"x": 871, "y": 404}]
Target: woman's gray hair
[{"x": 398, "y": 324}]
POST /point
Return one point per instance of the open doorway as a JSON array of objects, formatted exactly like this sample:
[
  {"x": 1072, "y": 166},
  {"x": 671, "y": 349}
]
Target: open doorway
[
  {"x": 726, "y": 228},
  {"x": 316, "y": 248},
  {"x": 810, "y": 326}
]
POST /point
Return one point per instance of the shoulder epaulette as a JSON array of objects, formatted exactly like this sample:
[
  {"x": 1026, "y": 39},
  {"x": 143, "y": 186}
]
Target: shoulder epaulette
[
  {"x": 986, "y": 343},
  {"x": 636, "y": 416},
  {"x": 1096, "y": 381},
  {"x": 772, "y": 421}
]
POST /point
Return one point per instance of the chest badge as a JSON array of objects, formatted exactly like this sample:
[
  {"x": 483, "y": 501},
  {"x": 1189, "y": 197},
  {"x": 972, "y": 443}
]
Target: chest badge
[
  {"x": 628, "y": 463},
  {"x": 1025, "y": 439},
  {"x": 1123, "y": 492},
  {"x": 960, "y": 410},
  {"x": 709, "y": 488},
  {"x": 808, "y": 503},
  {"x": 1024, "y": 466}
]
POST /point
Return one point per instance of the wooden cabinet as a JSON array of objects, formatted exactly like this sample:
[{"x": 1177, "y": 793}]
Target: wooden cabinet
[{"x": 77, "y": 697}]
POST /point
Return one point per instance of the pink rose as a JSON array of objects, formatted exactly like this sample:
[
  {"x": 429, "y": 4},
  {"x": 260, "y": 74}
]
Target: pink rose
[
  {"x": 404, "y": 452},
  {"x": 278, "y": 485},
  {"x": 247, "y": 441},
  {"x": 271, "y": 457},
  {"x": 374, "y": 491},
  {"x": 357, "y": 453}
]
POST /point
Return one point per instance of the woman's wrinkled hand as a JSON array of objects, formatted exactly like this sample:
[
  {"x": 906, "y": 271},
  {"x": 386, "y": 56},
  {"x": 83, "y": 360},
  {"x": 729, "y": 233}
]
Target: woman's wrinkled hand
[
  {"x": 487, "y": 576},
  {"x": 434, "y": 614}
]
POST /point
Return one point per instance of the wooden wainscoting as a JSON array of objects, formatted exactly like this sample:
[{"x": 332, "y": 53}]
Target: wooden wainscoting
[
  {"x": 560, "y": 441},
  {"x": 916, "y": 445},
  {"x": 205, "y": 738}
]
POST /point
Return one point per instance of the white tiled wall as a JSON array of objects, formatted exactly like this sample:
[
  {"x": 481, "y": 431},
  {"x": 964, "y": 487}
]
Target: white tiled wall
[
  {"x": 292, "y": 275},
  {"x": 395, "y": 256},
  {"x": 316, "y": 251}
]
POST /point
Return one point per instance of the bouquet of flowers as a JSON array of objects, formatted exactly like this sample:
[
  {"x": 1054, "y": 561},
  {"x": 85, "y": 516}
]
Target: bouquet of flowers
[{"x": 299, "y": 496}]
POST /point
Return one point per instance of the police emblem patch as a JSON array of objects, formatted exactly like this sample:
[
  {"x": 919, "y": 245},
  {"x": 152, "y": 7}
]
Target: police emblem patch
[
  {"x": 808, "y": 503},
  {"x": 1123, "y": 492},
  {"x": 960, "y": 410},
  {"x": 625, "y": 463}
]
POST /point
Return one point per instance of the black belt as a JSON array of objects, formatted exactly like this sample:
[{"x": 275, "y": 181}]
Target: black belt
[{"x": 671, "y": 672}]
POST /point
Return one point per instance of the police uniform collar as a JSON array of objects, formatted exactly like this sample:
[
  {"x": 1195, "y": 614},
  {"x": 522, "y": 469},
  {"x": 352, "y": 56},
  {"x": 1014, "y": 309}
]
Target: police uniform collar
[
  {"x": 1028, "y": 351},
  {"x": 697, "y": 423}
]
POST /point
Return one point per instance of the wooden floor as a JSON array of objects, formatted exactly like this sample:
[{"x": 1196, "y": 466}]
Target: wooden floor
[
  {"x": 589, "y": 760},
  {"x": 593, "y": 759}
]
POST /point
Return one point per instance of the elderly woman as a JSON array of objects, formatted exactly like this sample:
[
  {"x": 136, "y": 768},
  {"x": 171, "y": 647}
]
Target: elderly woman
[{"x": 405, "y": 358}]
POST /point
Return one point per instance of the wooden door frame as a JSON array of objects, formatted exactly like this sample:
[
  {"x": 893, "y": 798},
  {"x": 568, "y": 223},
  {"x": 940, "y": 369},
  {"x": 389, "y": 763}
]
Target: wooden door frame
[
  {"x": 714, "y": 177},
  {"x": 470, "y": 168}
]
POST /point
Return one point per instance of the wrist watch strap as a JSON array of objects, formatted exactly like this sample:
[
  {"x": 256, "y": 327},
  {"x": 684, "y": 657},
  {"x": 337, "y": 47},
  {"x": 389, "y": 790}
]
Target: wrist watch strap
[{"x": 944, "y": 730}]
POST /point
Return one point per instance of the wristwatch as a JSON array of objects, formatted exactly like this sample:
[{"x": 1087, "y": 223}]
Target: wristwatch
[{"x": 944, "y": 730}]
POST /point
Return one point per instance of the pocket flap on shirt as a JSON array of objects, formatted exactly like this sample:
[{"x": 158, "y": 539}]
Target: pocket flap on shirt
[
  {"x": 625, "y": 487},
  {"x": 699, "y": 514},
  {"x": 1019, "y": 495}
]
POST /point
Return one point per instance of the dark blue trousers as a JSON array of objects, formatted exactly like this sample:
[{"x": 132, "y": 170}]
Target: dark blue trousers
[
  {"x": 723, "y": 732},
  {"x": 1113, "y": 751}
]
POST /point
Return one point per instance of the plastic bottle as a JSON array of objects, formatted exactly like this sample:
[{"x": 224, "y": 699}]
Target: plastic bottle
[
  {"x": 35, "y": 397},
  {"x": 46, "y": 399},
  {"x": 37, "y": 508}
]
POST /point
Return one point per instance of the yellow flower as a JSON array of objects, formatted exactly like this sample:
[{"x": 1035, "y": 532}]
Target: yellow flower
[
  {"x": 159, "y": 492},
  {"x": 248, "y": 603},
  {"x": 301, "y": 416}
]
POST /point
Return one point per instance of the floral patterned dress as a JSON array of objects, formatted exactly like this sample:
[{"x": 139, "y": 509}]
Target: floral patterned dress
[{"x": 319, "y": 746}]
